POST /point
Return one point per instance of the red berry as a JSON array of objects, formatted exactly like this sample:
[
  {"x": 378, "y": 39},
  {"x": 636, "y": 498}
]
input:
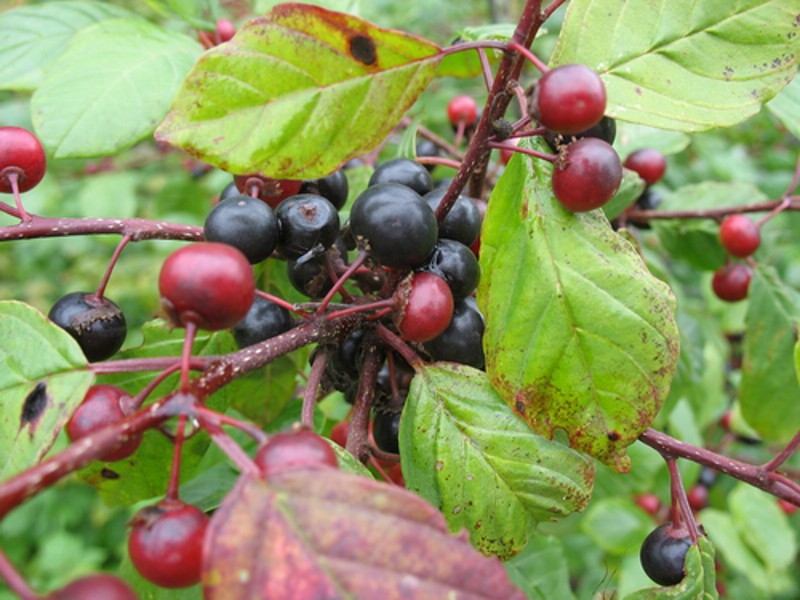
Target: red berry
[
  {"x": 166, "y": 543},
  {"x": 339, "y": 433},
  {"x": 739, "y": 235},
  {"x": 649, "y": 503},
  {"x": 725, "y": 420},
  {"x": 102, "y": 406},
  {"x": 587, "y": 175},
  {"x": 423, "y": 307},
  {"x": 648, "y": 163},
  {"x": 102, "y": 586},
  {"x": 294, "y": 450},
  {"x": 508, "y": 151},
  {"x": 21, "y": 153},
  {"x": 207, "y": 283},
  {"x": 787, "y": 507},
  {"x": 462, "y": 109},
  {"x": 698, "y": 497},
  {"x": 225, "y": 30},
  {"x": 271, "y": 191},
  {"x": 730, "y": 282},
  {"x": 569, "y": 99}
]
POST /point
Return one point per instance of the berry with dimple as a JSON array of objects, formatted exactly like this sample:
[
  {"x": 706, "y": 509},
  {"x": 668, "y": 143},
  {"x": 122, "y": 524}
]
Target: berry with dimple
[
  {"x": 605, "y": 130},
  {"x": 263, "y": 321},
  {"x": 103, "y": 406},
  {"x": 307, "y": 222},
  {"x": 395, "y": 225},
  {"x": 386, "y": 430},
  {"x": 206, "y": 283},
  {"x": 271, "y": 191},
  {"x": 648, "y": 163},
  {"x": 423, "y": 307},
  {"x": 463, "y": 221},
  {"x": 731, "y": 282},
  {"x": 294, "y": 450},
  {"x": 405, "y": 172},
  {"x": 587, "y": 175},
  {"x": 739, "y": 235},
  {"x": 97, "y": 324},
  {"x": 462, "y": 341},
  {"x": 246, "y": 223},
  {"x": 663, "y": 554},
  {"x": 569, "y": 99},
  {"x": 166, "y": 543},
  {"x": 20, "y": 153},
  {"x": 333, "y": 187},
  {"x": 100, "y": 586},
  {"x": 456, "y": 264},
  {"x": 462, "y": 109}
]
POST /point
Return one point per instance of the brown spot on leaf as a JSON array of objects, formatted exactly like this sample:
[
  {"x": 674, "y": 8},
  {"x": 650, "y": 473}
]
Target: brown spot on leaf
[
  {"x": 613, "y": 436},
  {"x": 34, "y": 405},
  {"x": 362, "y": 48},
  {"x": 107, "y": 473}
]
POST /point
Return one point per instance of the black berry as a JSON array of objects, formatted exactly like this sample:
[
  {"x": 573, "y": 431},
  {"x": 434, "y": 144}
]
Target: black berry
[
  {"x": 246, "y": 223},
  {"x": 456, "y": 264},
  {"x": 405, "y": 172},
  {"x": 605, "y": 130},
  {"x": 427, "y": 148},
  {"x": 663, "y": 554},
  {"x": 386, "y": 429},
  {"x": 307, "y": 222},
  {"x": 462, "y": 341},
  {"x": 462, "y": 223},
  {"x": 97, "y": 324},
  {"x": 333, "y": 187},
  {"x": 263, "y": 321},
  {"x": 309, "y": 277}
]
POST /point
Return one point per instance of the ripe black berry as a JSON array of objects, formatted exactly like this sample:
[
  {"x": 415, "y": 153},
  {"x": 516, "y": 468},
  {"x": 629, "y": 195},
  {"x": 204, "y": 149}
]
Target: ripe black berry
[
  {"x": 663, "y": 554},
  {"x": 263, "y": 321},
  {"x": 97, "y": 324},
  {"x": 246, "y": 223},
  {"x": 307, "y": 222},
  {"x": 102, "y": 406},
  {"x": 462, "y": 223},
  {"x": 228, "y": 191},
  {"x": 649, "y": 200},
  {"x": 456, "y": 264},
  {"x": 462, "y": 341},
  {"x": 569, "y": 99},
  {"x": 309, "y": 277},
  {"x": 405, "y": 172},
  {"x": 587, "y": 175},
  {"x": 386, "y": 429},
  {"x": 395, "y": 225},
  {"x": 333, "y": 187},
  {"x": 605, "y": 130},
  {"x": 20, "y": 153},
  {"x": 427, "y": 148}
]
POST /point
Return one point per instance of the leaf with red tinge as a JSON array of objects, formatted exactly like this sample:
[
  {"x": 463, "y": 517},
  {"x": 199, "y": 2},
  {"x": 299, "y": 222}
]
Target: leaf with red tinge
[
  {"x": 298, "y": 92},
  {"x": 311, "y": 534}
]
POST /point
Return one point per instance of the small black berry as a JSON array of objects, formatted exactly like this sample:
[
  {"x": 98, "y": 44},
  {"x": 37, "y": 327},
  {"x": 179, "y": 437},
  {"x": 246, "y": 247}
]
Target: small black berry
[
  {"x": 405, "y": 172},
  {"x": 663, "y": 554},
  {"x": 463, "y": 221},
  {"x": 456, "y": 264},
  {"x": 462, "y": 341},
  {"x": 333, "y": 187},
  {"x": 246, "y": 223},
  {"x": 263, "y": 321},
  {"x": 97, "y": 324},
  {"x": 386, "y": 430},
  {"x": 307, "y": 222}
]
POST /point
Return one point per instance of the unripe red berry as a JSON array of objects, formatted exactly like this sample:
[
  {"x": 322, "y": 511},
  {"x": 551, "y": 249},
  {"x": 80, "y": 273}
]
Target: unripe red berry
[
  {"x": 103, "y": 406},
  {"x": 21, "y": 152},
  {"x": 648, "y": 163},
  {"x": 739, "y": 235},
  {"x": 731, "y": 282},
  {"x": 271, "y": 191},
  {"x": 462, "y": 109},
  {"x": 787, "y": 507},
  {"x": 423, "y": 307},
  {"x": 294, "y": 450},
  {"x": 207, "y": 283},
  {"x": 225, "y": 30},
  {"x": 650, "y": 503},
  {"x": 166, "y": 543},
  {"x": 698, "y": 497},
  {"x": 101, "y": 586},
  {"x": 587, "y": 175},
  {"x": 569, "y": 99}
]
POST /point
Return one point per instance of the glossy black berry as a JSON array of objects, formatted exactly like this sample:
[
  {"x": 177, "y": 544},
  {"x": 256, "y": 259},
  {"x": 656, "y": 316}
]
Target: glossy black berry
[
  {"x": 405, "y": 172},
  {"x": 649, "y": 200},
  {"x": 333, "y": 187},
  {"x": 246, "y": 223},
  {"x": 462, "y": 341},
  {"x": 456, "y": 264},
  {"x": 309, "y": 277},
  {"x": 228, "y": 191},
  {"x": 605, "y": 130},
  {"x": 386, "y": 429},
  {"x": 462, "y": 223},
  {"x": 395, "y": 225},
  {"x": 663, "y": 554},
  {"x": 97, "y": 324},
  {"x": 427, "y": 148},
  {"x": 307, "y": 222},
  {"x": 263, "y": 321}
]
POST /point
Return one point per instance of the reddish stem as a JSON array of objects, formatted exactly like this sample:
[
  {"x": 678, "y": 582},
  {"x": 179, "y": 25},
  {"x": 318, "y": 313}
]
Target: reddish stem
[
  {"x": 529, "y": 56},
  {"x": 486, "y": 69},
  {"x": 360, "y": 308},
  {"x": 101, "y": 289},
  {"x": 397, "y": 344},
  {"x": 137, "y": 229},
  {"x": 186, "y": 354},
  {"x": 358, "y": 432},
  {"x": 228, "y": 445},
  {"x": 205, "y": 414},
  {"x": 784, "y": 454},
  {"x": 175, "y": 475},
  {"x": 311, "y": 392},
  {"x": 438, "y": 160},
  {"x": 135, "y": 365},
  {"x": 534, "y": 153},
  {"x": 551, "y": 8},
  {"x": 139, "y": 399},
  {"x": 681, "y": 509},
  {"x": 281, "y": 302},
  {"x": 712, "y": 213},
  {"x": 362, "y": 256},
  {"x": 14, "y": 579},
  {"x": 13, "y": 179}
]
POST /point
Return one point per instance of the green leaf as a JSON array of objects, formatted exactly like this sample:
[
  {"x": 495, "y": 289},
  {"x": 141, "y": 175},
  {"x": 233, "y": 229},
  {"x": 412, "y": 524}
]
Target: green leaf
[
  {"x": 689, "y": 66},
  {"x": 110, "y": 88},
  {"x": 540, "y": 570},
  {"x": 617, "y": 525},
  {"x": 632, "y": 137},
  {"x": 769, "y": 390},
  {"x": 33, "y": 37},
  {"x": 786, "y": 106},
  {"x": 307, "y": 534},
  {"x": 586, "y": 340},
  {"x": 465, "y": 451},
  {"x": 629, "y": 190},
  {"x": 298, "y": 92},
  {"x": 198, "y": 13},
  {"x": 698, "y": 584},
  {"x": 43, "y": 378},
  {"x": 696, "y": 241}
]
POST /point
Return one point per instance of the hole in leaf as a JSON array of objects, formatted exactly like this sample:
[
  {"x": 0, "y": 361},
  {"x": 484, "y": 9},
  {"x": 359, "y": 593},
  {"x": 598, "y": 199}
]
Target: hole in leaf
[{"x": 363, "y": 49}]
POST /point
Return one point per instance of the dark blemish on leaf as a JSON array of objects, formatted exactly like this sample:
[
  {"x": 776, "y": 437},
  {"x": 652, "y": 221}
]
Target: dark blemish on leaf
[
  {"x": 613, "y": 436},
  {"x": 34, "y": 405},
  {"x": 638, "y": 91},
  {"x": 363, "y": 49},
  {"x": 727, "y": 73},
  {"x": 109, "y": 474},
  {"x": 520, "y": 407}
]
